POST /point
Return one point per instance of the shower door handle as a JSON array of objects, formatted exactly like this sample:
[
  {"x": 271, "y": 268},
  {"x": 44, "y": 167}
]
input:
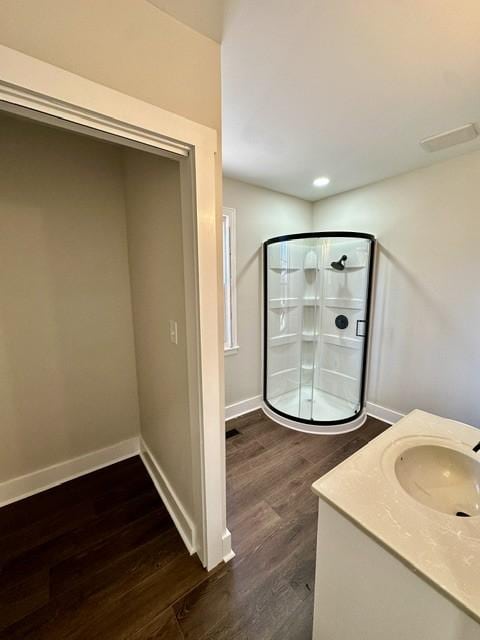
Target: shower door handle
[{"x": 359, "y": 329}]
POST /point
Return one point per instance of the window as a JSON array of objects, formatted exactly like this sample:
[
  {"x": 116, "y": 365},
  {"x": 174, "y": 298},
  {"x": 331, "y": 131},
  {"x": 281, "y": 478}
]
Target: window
[{"x": 229, "y": 281}]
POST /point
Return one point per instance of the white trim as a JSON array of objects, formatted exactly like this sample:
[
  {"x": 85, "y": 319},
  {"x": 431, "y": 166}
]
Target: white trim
[
  {"x": 49, "y": 477},
  {"x": 382, "y": 413},
  {"x": 231, "y": 215},
  {"x": 228, "y": 553},
  {"x": 37, "y": 85},
  {"x": 192, "y": 338},
  {"x": 175, "y": 508},
  {"x": 231, "y": 351},
  {"x": 28, "y": 83},
  {"x": 244, "y": 406},
  {"x": 251, "y": 404},
  {"x": 76, "y": 118},
  {"x": 319, "y": 429},
  {"x": 43, "y": 479}
]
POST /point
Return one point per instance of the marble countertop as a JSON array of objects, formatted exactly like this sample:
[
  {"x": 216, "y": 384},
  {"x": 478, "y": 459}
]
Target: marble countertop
[{"x": 442, "y": 548}]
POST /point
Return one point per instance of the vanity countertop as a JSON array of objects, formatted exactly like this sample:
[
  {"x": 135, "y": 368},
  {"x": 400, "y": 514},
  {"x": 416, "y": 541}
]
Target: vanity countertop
[{"x": 443, "y": 549}]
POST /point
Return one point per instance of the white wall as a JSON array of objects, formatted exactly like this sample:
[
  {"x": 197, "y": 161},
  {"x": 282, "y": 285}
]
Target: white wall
[
  {"x": 158, "y": 295},
  {"x": 67, "y": 362},
  {"x": 425, "y": 344},
  {"x": 261, "y": 214}
]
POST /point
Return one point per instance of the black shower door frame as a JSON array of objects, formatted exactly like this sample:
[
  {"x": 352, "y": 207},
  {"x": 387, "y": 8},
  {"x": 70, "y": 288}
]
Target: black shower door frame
[{"x": 302, "y": 236}]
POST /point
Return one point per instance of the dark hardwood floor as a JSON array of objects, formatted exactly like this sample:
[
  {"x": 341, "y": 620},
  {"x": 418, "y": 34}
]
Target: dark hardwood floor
[{"x": 99, "y": 557}]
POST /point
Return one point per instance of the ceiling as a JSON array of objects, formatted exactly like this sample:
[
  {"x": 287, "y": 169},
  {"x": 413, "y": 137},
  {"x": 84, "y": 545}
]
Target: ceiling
[
  {"x": 345, "y": 89},
  {"x": 205, "y": 16}
]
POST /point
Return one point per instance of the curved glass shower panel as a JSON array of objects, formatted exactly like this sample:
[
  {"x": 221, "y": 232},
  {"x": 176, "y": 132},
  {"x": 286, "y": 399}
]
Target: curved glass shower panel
[
  {"x": 285, "y": 282},
  {"x": 316, "y": 311}
]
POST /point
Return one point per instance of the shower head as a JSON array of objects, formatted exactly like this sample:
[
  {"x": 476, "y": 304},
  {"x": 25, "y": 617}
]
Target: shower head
[{"x": 340, "y": 265}]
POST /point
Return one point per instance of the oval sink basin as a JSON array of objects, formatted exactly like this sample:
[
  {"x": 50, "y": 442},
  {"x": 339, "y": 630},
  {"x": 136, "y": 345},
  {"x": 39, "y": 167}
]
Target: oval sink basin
[{"x": 441, "y": 478}]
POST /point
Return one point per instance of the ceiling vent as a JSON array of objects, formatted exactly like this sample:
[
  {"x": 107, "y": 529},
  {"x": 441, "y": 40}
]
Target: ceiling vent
[{"x": 449, "y": 138}]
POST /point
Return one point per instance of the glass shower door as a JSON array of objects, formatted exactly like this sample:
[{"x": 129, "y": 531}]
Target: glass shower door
[
  {"x": 339, "y": 357},
  {"x": 283, "y": 326},
  {"x": 316, "y": 289}
]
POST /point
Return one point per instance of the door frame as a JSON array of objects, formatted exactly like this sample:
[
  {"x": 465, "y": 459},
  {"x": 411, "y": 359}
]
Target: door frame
[{"x": 51, "y": 94}]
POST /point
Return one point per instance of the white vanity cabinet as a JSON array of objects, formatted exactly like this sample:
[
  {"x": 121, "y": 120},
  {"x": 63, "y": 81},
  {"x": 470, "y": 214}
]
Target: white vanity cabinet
[{"x": 389, "y": 567}]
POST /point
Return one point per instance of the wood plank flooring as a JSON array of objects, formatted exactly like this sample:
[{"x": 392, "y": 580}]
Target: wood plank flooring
[{"x": 99, "y": 557}]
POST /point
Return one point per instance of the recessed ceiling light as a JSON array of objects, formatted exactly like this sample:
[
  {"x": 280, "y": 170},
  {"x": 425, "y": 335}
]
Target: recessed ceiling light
[{"x": 321, "y": 182}]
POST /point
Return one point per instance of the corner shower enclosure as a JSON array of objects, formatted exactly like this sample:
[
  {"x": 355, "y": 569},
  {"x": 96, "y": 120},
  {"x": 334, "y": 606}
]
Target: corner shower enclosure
[{"x": 317, "y": 290}]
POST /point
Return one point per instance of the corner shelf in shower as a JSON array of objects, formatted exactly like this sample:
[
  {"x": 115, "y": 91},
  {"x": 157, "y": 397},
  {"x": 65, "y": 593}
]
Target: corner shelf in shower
[
  {"x": 285, "y": 338},
  {"x": 344, "y": 303},
  {"x": 343, "y": 341},
  {"x": 338, "y": 374},
  {"x": 282, "y": 372},
  {"x": 311, "y": 302},
  {"x": 283, "y": 303},
  {"x": 307, "y": 367}
]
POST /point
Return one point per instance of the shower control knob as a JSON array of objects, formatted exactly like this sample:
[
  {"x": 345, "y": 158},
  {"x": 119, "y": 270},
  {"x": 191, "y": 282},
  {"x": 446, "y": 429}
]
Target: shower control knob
[{"x": 341, "y": 322}]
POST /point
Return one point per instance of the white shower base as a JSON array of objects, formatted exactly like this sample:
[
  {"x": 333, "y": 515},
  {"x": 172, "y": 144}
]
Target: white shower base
[{"x": 323, "y": 407}]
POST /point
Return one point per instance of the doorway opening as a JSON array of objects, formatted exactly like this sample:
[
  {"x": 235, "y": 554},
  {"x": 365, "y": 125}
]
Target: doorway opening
[{"x": 141, "y": 137}]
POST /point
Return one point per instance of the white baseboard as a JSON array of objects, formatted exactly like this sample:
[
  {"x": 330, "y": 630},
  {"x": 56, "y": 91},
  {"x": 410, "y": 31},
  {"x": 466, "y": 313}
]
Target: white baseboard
[
  {"x": 31, "y": 483},
  {"x": 384, "y": 414},
  {"x": 244, "y": 406},
  {"x": 250, "y": 404},
  {"x": 228, "y": 553},
  {"x": 177, "y": 511}
]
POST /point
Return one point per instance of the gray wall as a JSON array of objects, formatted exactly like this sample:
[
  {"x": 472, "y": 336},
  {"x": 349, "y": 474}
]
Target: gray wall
[
  {"x": 152, "y": 187},
  {"x": 67, "y": 361}
]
